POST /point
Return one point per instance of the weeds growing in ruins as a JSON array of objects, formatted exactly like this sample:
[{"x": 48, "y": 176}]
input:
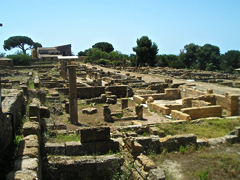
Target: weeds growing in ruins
[
  {"x": 203, "y": 175},
  {"x": 31, "y": 84},
  {"x": 17, "y": 141},
  {"x": 62, "y": 137}
]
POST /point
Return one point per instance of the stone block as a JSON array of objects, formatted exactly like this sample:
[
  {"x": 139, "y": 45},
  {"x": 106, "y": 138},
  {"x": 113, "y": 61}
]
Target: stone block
[
  {"x": 55, "y": 148},
  {"x": 140, "y": 170},
  {"x": 95, "y": 134},
  {"x": 73, "y": 148},
  {"x": 31, "y": 152},
  {"x": 156, "y": 174},
  {"x": 89, "y": 110},
  {"x": 24, "y": 174},
  {"x": 138, "y": 99},
  {"x": 147, "y": 164},
  {"x": 31, "y": 128},
  {"x": 30, "y": 164},
  {"x": 44, "y": 112}
]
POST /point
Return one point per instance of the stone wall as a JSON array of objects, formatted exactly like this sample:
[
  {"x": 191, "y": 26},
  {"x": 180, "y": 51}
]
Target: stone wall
[
  {"x": 84, "y": 167},
  {"x": 202, "y": 112},
  {"x": 13, "y": 103},
  {"x": 119, "y": 91}
]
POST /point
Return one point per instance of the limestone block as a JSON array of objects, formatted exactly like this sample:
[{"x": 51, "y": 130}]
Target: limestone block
[
  {"x": 150, "y": 99},
  {"x": 124, "y": 102},
  {"x": 156, "y": 174},
  {"x": 73, "y": 148},
  {"x": 31, "y": 128},
  {"x": 147, "y": 164},
  {"x": 178, "y": 115},
  {"x": 44, "y": 112},
  {"x": 89, "y": 110},
  {"x": 30, "y": 164},
  {"x": 24, "y": 174},
  {"x": 95, "y": 134},
  {"x": 140, "y": 170},
  {"x": 107, "y": 113},
  {"x": 139, "y": 111},
  {"x": 29, "y": 141},
  {"x": 55, "y": 148},
  {"x": 31, "y": 152},
  {"x": 133, "y": 146},
  {"x": 202, "y": 142},
  {"x": 138, "y": 99}
]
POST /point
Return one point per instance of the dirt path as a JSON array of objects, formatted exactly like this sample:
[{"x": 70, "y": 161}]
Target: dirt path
[{"x": 218, "y": 89}]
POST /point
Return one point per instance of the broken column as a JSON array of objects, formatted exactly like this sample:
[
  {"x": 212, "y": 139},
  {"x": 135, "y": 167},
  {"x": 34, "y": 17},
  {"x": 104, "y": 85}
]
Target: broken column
[
  {"x": 73, "y": 107},
  {"x": 106, "y": 113},
  {"x": 124, "y": 103},
  {"x": 139, "y": 111}
]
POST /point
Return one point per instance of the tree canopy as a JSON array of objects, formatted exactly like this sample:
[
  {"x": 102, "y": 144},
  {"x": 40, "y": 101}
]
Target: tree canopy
[
  {"x": 104, "y": 46},
  {"x": 20, "y": 42},
  {"x": 230, "y": 61},
  {"x": 146, "y": 51}
]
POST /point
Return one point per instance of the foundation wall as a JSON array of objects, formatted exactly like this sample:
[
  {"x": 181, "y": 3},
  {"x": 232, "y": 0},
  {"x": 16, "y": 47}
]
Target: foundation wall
[
  {"x": 161, "y": 109},
  {"x": 189, "y": 92},
  {"x": 119, "y": 91},
  {"x": 178, "y": 115},
  {"x": 203, "y": 112}
]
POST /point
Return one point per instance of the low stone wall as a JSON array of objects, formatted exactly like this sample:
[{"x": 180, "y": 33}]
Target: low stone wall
[
  {"x": 185, "y": 91},
  {"x": 200, "y": 103},
  {"x": 203, "y": 112},
  {"x": 139, "y": 99},
  {"x": 160, "y": 109},
  {"x": 85, "y": 92},
  {"x": 84, "y": 167},
  {"x": 178, "y": 115},
  {"x": 15, "y": 104},
  {"x": 228, "y": 102},
  {"x": 119, "y": 91}
]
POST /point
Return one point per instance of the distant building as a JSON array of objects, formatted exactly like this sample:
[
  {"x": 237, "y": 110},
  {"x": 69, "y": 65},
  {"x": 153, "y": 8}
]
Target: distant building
[
  {"x": 6, "y": 62},
  {"x": 51, "y": 53}
]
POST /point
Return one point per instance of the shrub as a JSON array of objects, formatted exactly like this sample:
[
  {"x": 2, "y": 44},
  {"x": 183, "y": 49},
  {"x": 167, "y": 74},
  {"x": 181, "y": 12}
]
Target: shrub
[
  {"x": 103, "y": 61},
  {"x": 87, "y": 60},
  {"x": 19, "y": 58}
]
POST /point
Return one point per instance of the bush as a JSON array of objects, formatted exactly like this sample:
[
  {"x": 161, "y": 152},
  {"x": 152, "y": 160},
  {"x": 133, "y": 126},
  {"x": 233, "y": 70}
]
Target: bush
[
  {"x": 103, "y": 61},
  {"x": 19, "y": 58},
  {"x": 117, "y": 63},
  {"x": 87, "y": 60}
]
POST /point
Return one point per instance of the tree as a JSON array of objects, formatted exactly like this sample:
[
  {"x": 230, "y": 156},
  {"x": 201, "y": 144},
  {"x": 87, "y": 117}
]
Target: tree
[
  {"x": 209, "y": 57},
  {"x": 104, "y": 46},
  {"x": 36, "y": 45},
  {"x": 81, "y": 53},
  {"x": 146, "y": 51},
  {"x": 230, "y": 61},
  {"x": 20, "y": 42},
  {"x": 188, "y": 57}
]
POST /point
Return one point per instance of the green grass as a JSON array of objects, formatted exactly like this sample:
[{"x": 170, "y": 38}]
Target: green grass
[
  {"x": 64, "y": 138},
  {"x": 205, "y": 129},
  {"x": 31, "y": 84}
]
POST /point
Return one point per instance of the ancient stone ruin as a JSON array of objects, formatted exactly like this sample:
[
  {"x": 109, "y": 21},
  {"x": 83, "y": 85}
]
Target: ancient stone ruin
[{"x": 82, "y": 122}]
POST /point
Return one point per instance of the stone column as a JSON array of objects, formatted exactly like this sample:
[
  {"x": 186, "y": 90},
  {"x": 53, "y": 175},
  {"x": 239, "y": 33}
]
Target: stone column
[
  {"x": 73, "y": 107},
  {"x": 63, "y": 72},
  {"x": 139, "y": 111},
  {"x": 124, "y": 103}
]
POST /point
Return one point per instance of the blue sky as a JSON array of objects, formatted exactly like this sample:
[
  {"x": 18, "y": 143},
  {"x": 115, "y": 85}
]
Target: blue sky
[{"x": 171, "y": 24}]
